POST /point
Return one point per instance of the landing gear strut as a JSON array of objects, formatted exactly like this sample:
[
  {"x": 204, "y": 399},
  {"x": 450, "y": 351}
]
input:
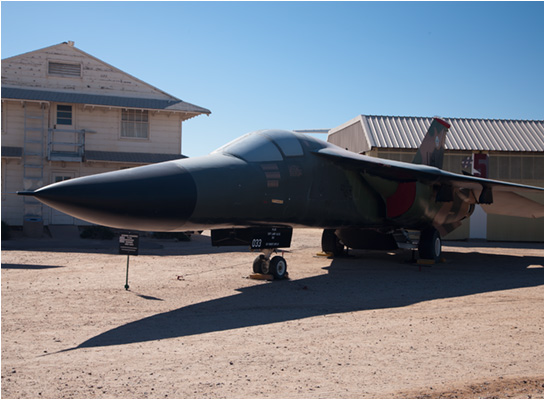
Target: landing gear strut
[
  {"x": 331, "y": 243},
  {"x": 276, "y": 266}
]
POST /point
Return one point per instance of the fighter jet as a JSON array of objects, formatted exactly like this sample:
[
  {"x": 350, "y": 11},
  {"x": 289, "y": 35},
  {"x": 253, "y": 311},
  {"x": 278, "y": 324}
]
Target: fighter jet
[{"x": 256, "y": 189}]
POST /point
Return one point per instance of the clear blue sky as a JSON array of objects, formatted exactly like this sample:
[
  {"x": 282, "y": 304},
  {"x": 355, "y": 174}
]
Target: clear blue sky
[{"x": 305, "y": 65}]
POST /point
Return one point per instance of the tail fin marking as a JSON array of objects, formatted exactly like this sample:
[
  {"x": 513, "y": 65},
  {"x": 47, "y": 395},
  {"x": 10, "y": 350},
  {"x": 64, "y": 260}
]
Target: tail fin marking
[{"x": 432, "y": 148}]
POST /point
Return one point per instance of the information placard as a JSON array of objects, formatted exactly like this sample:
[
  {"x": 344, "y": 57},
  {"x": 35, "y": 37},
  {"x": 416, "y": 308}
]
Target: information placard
[{"x": 128, "y": 244}]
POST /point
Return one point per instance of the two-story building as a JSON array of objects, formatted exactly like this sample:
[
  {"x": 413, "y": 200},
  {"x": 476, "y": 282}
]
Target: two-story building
[{"x": 67, "y": 114}]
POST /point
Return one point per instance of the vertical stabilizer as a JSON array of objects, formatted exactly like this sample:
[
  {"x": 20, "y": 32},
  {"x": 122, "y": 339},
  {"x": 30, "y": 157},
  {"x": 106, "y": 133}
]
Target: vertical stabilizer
[{"x": 433, "y": 145}]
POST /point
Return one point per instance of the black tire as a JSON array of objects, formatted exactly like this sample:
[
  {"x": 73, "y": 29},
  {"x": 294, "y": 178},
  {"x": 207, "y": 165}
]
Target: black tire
[
  {"x": 260, "y": 265},
  {"x": 429, "y": 245},
  {"x": 331, "y": 243},
  {"x": 278, "y": 267}
]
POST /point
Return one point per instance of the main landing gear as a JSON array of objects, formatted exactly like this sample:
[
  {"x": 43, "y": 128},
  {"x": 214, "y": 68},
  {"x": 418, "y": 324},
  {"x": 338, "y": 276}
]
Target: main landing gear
[
  {"x": 276, "y": 266},
  {"x": 331, "y": 243},
  {"x": 430, "y": 244}
]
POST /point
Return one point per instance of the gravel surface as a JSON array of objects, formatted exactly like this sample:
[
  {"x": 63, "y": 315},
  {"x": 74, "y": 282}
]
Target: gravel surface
[{"x": 193, "y": 325}]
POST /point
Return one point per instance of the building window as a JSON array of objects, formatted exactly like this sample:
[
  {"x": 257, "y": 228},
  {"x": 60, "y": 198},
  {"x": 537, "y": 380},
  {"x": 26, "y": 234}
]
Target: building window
[
  {"x": 59, "y": 178},
  {"x": 64, "y": 115},
  {"x": 134, "y": 124},
  {"x": 64, "y": 69}
]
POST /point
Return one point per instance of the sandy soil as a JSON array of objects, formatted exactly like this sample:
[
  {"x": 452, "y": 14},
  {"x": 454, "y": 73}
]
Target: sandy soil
[{"x": 193, "y": 326}]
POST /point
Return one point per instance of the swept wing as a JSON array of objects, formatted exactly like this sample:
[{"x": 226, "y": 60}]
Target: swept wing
[{"x": 496, "y": 197}]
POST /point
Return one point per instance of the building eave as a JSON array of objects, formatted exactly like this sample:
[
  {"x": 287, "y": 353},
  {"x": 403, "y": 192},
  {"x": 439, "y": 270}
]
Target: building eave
[
  {"x": 130, "y": 157},
  {"x": 174, "y": 106}
]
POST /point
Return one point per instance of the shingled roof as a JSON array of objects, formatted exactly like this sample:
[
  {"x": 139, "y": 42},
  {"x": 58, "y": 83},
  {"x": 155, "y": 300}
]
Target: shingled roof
[
  {"x": 41, "y": 75},
  {"x": 125, "y": 157},
  {"x": 12, "y": 93}
]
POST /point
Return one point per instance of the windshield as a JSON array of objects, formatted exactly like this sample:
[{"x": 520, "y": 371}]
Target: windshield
[
  {"x": 264, "y": 146},
  {"x": 286, "y": 141}
]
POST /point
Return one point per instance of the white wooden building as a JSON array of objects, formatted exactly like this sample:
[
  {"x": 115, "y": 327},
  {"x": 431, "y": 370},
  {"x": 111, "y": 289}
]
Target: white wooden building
[
  {"x": 513, "y": 150},
  {"x": 67, "y": 114}
]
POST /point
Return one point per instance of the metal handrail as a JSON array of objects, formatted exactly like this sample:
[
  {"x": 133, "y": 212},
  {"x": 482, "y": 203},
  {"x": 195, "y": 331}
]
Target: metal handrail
[{"x": 79, "y": 144}]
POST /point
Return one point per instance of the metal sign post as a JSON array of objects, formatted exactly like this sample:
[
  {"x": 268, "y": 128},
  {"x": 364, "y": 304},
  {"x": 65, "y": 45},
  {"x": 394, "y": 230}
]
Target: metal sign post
[
  {"x": 128, "y": 244},
  {"x": 127, "y": 277}
]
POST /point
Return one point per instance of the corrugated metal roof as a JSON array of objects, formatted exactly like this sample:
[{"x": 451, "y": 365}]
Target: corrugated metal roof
[
  {"x": 464, "y": 134},
  {"x": 138, "y": 158},
  {"x": 101, "y": 100}
]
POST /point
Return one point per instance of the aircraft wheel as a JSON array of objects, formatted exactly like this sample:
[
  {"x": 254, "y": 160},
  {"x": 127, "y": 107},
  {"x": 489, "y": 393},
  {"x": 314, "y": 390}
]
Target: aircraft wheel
[
  {"x": 331, "y": 243},
  {"x": 278, "y": 267},
  {"x": 260, "y": 265},
  {"x": 429, "y": 246}
]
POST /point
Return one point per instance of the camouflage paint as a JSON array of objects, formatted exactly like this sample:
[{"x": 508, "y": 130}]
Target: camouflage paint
[
  {"x": 432, "y": 149},
  {"x": 280, "y": 178}
]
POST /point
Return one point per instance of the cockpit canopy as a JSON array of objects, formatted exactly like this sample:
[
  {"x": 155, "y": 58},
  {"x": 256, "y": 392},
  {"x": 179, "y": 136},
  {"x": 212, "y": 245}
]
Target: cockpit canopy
[{"x": 269, "y": 145}]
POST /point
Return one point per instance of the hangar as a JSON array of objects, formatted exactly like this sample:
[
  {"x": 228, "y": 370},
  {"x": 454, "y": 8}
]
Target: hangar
[{"x": 509, "y": 150}]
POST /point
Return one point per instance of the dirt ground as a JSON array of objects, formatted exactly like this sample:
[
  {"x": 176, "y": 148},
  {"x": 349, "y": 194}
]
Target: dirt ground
[{"x": 193, "y": 325}]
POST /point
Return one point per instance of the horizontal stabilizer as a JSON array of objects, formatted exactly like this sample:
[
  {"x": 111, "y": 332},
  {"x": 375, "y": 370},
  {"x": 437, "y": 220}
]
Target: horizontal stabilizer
[{"x": 514, "y": 205}]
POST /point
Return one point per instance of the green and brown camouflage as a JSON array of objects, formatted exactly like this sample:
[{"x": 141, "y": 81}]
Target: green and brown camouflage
[
  {"x": 432, "y": 149},
  {"x": 287, "y": 180}
]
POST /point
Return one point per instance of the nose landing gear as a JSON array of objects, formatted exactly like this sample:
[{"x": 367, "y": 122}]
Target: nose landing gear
[
  {"x": 265, "y": 239},
  {"x": 276, "y": 266}
]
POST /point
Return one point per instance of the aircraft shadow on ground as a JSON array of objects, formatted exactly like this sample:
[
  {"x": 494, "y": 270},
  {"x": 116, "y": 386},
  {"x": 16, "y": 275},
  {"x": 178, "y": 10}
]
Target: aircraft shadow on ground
[
  {"x": 352, "y": 284},
  {"x": 199, "y": 244},
  {"x": 29, "y": 266}
]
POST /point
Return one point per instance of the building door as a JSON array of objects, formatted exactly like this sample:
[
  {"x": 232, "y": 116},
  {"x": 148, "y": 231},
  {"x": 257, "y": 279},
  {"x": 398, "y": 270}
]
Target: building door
[
  {"x": 57, "y": 217},
  {"x": 63, "y": 138}
]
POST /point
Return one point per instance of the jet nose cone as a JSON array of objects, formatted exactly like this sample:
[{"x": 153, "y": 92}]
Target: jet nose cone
[{"x": 158, "y": 197}]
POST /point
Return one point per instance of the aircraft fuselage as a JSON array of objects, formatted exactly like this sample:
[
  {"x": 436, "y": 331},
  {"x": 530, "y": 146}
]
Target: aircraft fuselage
[{"x": 280, "y": 181}]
